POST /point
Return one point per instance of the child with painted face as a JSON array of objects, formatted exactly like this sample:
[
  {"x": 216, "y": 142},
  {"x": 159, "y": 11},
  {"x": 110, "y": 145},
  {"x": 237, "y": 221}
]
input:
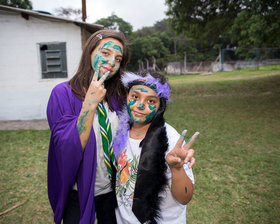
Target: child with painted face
[
  {"x": 154, "y": 179},
  {"x": 82, "y": 118}
]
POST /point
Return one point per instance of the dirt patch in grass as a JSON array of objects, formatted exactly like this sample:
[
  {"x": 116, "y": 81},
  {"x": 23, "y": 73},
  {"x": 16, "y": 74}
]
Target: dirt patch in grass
[{"x": 24, "y": 124}]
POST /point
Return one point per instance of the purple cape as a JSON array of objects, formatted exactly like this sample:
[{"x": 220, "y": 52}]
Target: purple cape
[{"x": 67, "y": 163}]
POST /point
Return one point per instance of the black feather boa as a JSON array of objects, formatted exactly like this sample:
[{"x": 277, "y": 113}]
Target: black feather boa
[{"x": 151, "y": 174}]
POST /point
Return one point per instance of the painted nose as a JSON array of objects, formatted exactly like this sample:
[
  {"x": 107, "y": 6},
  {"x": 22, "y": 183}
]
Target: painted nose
[
  {"x": 112, "y": 62},
  {"x": 141, "y": 106}
]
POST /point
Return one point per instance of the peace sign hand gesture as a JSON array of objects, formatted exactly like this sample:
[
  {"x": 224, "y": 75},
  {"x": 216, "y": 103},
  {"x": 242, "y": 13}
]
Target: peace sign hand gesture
[
  {"x": 96, "y": 90},
  {"x": 182, "y": 154}
]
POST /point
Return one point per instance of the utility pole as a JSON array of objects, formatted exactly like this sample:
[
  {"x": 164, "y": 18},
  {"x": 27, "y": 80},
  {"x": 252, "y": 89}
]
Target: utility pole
[
  {"x": 84, "y": 10},
  {"x": 84, "y": 16}
]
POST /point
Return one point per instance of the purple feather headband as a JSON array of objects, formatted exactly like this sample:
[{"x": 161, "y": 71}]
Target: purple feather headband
[{"x": 162, "y": 90}]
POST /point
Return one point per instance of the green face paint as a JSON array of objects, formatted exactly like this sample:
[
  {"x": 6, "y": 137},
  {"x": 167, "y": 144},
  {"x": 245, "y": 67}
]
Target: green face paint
[
  {"x": 101, "y": 60},
  {"x": 150, "y": 116},
  {"x": 145, "y": 119},
  {"x": 111, "y": 44},
  {"x": 130, "y": 103},
  {"x": 146, "y": 104},
  {"x": 141, "y": 106},
  {"x": 98, "y": 59},
  {"x": 152, "y": 107}
]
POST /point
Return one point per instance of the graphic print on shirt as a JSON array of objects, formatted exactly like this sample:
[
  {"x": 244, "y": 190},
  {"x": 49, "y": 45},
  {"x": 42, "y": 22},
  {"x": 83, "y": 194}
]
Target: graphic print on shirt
[{"x": 126, "y": 178}]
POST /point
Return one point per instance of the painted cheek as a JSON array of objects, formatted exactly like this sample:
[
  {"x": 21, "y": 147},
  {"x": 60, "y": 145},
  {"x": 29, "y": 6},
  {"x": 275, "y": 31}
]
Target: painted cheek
[
  {"x": 95, "y": 61},
  {"x": 131, "y": 102},
  {"x": 150, "y": 116},
  {"x": 128, "y": 107},
  {"x": 98, "y": 60},
  {"x": 152, "y": 107}
]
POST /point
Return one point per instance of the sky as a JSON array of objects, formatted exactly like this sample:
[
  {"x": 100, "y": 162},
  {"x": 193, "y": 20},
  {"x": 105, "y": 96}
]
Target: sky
[{"x": 139, "y": 13}]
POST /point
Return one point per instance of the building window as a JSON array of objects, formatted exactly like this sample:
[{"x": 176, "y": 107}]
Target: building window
[{"x": 53, "y": 60}]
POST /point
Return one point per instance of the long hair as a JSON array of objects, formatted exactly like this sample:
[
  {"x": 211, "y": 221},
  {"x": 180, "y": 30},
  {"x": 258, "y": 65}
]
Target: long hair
[{"x": 79, "y": 83}]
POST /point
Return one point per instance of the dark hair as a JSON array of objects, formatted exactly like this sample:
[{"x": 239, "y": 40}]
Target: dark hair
[
  {"x": 162, "y": 79},
  {"x": 80, "y": 82}
]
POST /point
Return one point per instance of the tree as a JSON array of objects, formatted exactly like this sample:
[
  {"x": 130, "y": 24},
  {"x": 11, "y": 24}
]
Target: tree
[
  {"x": 213, "y": 21},
  {"x": 145, "y": 48},
  {"x": 161, "y": 42},
  {"x": 116, "y": 23},
  {"x": 201, "y": 20},
  {"x": 70, "y": 13},
  {"x": 23, "y": 4},
  {"x": 256, "y": 28}
]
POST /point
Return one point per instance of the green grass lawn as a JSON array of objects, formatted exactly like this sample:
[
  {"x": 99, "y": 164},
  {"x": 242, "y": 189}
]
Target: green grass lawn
[
  {"x": 24, "y": 176},
  {"x": 238, "y": 152}
]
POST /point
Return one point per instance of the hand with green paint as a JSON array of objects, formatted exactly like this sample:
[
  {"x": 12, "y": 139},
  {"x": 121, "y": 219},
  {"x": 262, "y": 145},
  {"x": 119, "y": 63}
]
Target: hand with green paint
[
  {"x": 182, "y": 153},
  {"x": 96, "y": 91}
]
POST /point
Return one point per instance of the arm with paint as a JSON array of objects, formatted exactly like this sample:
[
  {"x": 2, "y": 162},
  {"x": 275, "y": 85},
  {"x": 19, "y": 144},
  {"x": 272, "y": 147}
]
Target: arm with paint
[
  {"x": 94, "y": 95},
  {"x": 181, "y": 185}
]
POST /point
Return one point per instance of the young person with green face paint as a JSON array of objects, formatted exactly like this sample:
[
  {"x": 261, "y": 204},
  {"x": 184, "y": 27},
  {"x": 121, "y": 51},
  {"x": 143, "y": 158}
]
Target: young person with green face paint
[
  {"x": 80, "y": 174},
  {"x": 154, "y": 179}
]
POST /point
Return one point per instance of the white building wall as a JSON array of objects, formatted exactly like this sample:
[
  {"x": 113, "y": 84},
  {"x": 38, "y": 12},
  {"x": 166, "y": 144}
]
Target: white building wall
[{"x": 23, "y": 92}]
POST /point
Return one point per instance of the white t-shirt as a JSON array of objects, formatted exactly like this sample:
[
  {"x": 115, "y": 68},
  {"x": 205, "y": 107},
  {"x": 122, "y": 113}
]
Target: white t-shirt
[
  {"x": 171, "y": 210},
  {"x": 102, "y": 181}
]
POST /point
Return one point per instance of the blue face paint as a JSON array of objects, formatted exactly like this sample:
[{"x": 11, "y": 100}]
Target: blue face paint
[
  {"x": 142, "y": 90},
  {"x": 141, "y": 106}
]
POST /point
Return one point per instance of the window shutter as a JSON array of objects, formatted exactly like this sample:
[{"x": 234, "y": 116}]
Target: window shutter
[{"x": 53, "y": 60}]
